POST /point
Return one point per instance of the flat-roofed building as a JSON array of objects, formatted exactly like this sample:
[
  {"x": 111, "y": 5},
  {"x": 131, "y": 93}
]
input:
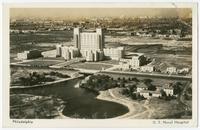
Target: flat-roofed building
[
  {"x": 149, "y": 94},
  {"x": 171, "y": 70},
  {"x": 90, "y": 43},
  {"x": 168, "y": 89},
  {"x": 68, "y": 52},
  {"x": 114, "y": 53},
  {"x": 92, "y": 55},
  {"x": 89, "y": 40},
  {"x": 155, "y": 93},
  {"x": 145, "y": 93},
  {"x": 141, "y": 87},
  {"x": 29, "y": 54},
  {"x": 184, "y": 70},
  {"x": 147, "y": 68},
  {"x": 124, "y": 65},
  {"x": 58, "y": 50},
  {"x": 137, "y": 61}
]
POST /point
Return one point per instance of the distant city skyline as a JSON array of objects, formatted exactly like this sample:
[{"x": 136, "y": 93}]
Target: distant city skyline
[{"x": 76, "y": 13}]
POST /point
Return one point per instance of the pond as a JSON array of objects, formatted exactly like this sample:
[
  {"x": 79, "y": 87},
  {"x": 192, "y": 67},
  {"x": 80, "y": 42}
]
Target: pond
[{"x": 80, "y": 103}]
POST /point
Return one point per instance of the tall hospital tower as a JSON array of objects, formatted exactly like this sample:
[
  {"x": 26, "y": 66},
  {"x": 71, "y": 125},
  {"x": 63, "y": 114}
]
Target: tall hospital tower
[
  {"x": 90, "y": 44},
  {"x": 89, "y": 40}
]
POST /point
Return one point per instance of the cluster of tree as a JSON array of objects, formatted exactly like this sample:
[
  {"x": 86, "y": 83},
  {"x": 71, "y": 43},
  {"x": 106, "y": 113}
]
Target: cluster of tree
[
  {"x": 188, "y": 93},
  {"x": 42, "y": 108},
  {"x": 148, "y": 82},
  {"x": 53, "y": 73},
  {"x": 15, "y": 100},
  {"x": 187, "y": 96},
  {"x": 129, "y": 79},
  {"x": 99, "y": 82},
  {"x": 177, "y": 88},
  {"x": 34, "y": 78},
  {"x": 123, "y": 81}
]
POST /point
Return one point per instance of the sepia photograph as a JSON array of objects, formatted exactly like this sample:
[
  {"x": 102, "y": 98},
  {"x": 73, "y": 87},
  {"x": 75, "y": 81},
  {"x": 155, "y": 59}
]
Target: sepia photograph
[{"x": 102, "y": 63}]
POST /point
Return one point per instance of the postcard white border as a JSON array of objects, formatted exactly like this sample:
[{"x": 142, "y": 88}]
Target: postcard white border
[{"x": 79, "y": 123}]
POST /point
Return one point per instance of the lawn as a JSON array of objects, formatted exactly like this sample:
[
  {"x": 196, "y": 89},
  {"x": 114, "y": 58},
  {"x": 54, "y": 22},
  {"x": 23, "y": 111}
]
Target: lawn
[
  {"x": 39, "y": 37},
  {"x": 91, "y": 66},
  {"x": 42, "y": 63},
  {"x": 112, "y": 62},
  {"x": 22, "y": 42}
]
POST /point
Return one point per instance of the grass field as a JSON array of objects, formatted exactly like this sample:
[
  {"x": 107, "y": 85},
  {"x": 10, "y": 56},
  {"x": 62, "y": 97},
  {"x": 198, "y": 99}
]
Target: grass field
[
  {"x": 42, "y": 63},
  {"x": 47, "y": 36},
  {"x": 149, "y": 45},
  {"x": 21, "y": 42},
  {"x": 111, "y": 62},
  {"x": 91, "y": 66}
]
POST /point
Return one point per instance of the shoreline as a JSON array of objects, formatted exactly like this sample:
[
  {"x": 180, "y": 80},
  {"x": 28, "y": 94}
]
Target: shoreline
[
  {"x": 136, "y": 110},
  {"x": 103, "y": 96}
]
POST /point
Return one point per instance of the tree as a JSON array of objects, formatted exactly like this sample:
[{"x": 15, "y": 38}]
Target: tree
[
  {"x": 163, "y": 93},
  {"x": 118, "y": 78},
  {"x": 150, "y": 86},
  {"x": 177, "y": 88},
  {"x": 135, "y": 79},
  {"x": 124, "y": 79}
]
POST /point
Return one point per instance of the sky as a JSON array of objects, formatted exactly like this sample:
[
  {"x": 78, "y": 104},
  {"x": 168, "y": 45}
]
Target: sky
[{"x": 73, "y": 13}]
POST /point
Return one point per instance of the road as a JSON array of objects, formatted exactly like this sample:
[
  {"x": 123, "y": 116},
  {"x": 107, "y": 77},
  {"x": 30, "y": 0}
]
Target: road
[{"x": 151, "y": 75}]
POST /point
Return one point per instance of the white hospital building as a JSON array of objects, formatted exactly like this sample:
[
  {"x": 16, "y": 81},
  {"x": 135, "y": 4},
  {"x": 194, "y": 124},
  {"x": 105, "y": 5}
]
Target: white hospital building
[
  {"x": 137, "y": 61},
  {"x": 90, "y": 45},
  {"x": 29, "y": 54},
  {"x": 66, "y": 52},
  {"x": 114, "y": 53}
]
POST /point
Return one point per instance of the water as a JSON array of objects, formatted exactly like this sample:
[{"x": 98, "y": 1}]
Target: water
[{"x": 80, "y": 103}]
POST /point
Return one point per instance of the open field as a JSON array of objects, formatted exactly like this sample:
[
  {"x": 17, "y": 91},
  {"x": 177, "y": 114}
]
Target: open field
[
  {"x": 149, "y": 45},
  {"x": 41, "y": 63},
  {"x": 112, "y": 62},
  {"x": 39, "y": 37},
  {"x": 178, "y": 61},
  {"x": 44, "y": 40},
  {"x": 91, "y": 66},
  {"x": 134, "y": 40},
  {"x": 14, "y": 49}
]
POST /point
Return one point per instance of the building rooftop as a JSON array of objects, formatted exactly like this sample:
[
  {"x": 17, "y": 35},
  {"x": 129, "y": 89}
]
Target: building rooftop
[
  {"x": 148, "y": 91},
  {"x": 144, "y": 91},
  {"x": 168, "y": 86},
  {"x": 155, "y": 92}
]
